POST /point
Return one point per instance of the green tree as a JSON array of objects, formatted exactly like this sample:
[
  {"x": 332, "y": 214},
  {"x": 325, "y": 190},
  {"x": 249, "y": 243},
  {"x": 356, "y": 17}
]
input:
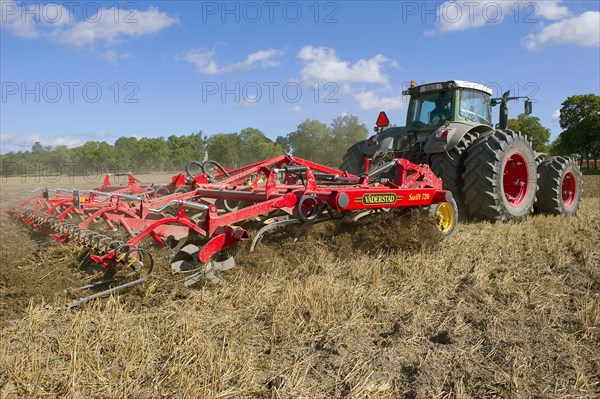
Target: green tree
[
  {"x": 311, "y": 141},
  {"x": 95, "y": 157},
  {"x": 531, "y": 126},
  {"x": 180, "y": 153},
  {"x": 127, "y": 153},
  {"x": 224, "y": 148},
  {"x": 37, "y": 147},
  {"x": 346, "y": 130},
  {"x": 580, "y": 121},
  {"x": 153, "y": 152},
  {"x": 183, "y": 149},
  {"x": 255, "y": 146},
  {"x": 284, "y": 142},
  {"x": 557, "y": 147}
]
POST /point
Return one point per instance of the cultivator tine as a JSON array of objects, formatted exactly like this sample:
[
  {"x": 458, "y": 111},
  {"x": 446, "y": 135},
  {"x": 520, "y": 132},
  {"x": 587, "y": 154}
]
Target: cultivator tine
[
  {"x": 209, "y": 272},
  {"x": 302, "y": 229},
  {"x": 94, "y": 284},
  {"x": 279, "y": 222},
  {"x": 107, "y": 292},
  {"x": 190, "y": 262},
  {"x": 84, "y": 259},
  {"x": 171, "y": 252},
  {"x": 136, "y": 264},
  {"x": 369, "y": 212},
  {"x": 363, "y": 214},
  {"x": 190, "y": 249},
  {"x": 222, "y": 266}
]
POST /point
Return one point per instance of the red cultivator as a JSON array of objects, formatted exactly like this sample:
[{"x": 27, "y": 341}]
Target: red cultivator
[{"x": 199, "y": 215}]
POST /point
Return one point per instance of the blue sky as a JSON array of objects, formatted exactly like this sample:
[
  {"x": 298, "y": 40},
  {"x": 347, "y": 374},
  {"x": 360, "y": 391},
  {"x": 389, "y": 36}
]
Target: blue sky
[{"x": 77, "y": 71}]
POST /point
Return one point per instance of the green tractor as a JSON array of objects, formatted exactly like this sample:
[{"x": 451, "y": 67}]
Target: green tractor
[{"x": 493, "y": 172}]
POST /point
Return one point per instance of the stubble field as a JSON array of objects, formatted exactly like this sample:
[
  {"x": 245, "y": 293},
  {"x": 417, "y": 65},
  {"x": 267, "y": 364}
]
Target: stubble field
[{"x": 380, "y": 309}]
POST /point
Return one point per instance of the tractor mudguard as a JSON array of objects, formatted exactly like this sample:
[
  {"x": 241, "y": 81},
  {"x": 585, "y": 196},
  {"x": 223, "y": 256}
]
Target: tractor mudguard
[
  {"x": 367, "y": 147},
  {"x": 442, "y": 141},
  {"x": 379, "y": 142}
]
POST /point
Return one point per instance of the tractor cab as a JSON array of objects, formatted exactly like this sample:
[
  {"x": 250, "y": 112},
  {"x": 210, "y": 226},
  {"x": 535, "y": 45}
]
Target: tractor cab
[
  {"x": 439, "y": 117},
  {"x": 436, "y": 113},
  {"x": 431, "y": 105}
]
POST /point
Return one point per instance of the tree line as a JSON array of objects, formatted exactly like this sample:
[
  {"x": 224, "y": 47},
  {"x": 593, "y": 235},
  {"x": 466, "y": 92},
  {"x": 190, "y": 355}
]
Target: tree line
[{"x": 312, "y": 140}]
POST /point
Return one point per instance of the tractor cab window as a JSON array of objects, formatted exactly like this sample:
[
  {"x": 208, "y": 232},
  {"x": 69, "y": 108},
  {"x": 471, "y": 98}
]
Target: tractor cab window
[
  {"x": 475, "y": 106},
  {"x": 432, "y": 109}
]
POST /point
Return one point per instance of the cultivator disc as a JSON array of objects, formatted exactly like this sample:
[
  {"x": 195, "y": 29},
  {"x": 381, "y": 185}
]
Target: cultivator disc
[{"x": 198, "y": 215}]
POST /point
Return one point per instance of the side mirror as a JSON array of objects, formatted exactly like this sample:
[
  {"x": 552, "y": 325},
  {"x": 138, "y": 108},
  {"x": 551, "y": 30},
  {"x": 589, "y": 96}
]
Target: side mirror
[{"x": 528, "y": 107}]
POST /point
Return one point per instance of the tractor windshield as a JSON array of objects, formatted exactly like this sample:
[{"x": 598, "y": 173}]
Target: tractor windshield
[
  {"x": 475, "y": 106},
  {"x": 431, "y": 109}
]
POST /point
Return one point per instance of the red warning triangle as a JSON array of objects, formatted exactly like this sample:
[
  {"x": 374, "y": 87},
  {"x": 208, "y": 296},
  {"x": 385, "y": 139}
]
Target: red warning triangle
[{"x": 382, "y": 120}]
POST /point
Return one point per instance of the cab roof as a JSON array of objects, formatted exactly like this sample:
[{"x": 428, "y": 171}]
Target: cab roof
[{"x": 457, "y": 83}]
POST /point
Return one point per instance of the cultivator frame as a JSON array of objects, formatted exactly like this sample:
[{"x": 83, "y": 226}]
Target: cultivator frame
[{"x": 201, "y": 214}]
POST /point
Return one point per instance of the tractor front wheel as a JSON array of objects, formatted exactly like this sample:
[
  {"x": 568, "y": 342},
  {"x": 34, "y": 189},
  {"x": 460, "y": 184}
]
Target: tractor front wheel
[
  {"x": 449, "y": 166},
  {"x": 353, "y": 161}
]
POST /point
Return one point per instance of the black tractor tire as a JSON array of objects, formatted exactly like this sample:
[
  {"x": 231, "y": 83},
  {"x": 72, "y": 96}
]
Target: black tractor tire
[
  {"x": 560, "y": 186},
  {"x": 449, "y": 166},
  {"x": 353, "y": 161},
  {"x": 500, "y": 179}
]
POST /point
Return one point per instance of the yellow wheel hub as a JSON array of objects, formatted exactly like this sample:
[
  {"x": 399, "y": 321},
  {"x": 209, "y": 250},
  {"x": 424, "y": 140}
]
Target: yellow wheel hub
[{"x": 444, "y": 216}]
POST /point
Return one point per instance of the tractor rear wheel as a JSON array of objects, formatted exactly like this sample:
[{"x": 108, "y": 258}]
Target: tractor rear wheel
[
  {"x": 561, "y": 186},
  {"x": 500, "y": 179},
  {"x": 353, "y": 161},
  {"x": 449, "y": 166}
]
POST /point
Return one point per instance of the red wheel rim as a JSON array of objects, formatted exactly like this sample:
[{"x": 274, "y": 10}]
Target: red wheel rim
[
  {"x": 568, "y": 189},
  {"x": 515, "y": 179}
]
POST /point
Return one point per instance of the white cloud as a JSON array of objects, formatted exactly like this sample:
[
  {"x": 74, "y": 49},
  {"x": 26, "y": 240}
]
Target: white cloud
[
  {"x": 32, "y": 20},
  {"x": 6, "y": 138},
  {"x": 25, "y": 143},
  {"x": 372, "y": 101},
  {"x": 68, "y": 141},
  {"x": 30, "y": 140},
  {"x": 321, "y": 64},
  {"x": 101, "y": 135},
  {"x": 583, "y": 30},
  {"x": 549, "y": 9},
  {"x": 556, "y": 115},
  {"x": 296, "y": 108},
  {"x": 107, "y": 27},
  {"x": 204, "y": 61},
  {"x": 113, "y": 57},
  {"x": 454, "y": 16},
  {"x": 265, "y": 58}
]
